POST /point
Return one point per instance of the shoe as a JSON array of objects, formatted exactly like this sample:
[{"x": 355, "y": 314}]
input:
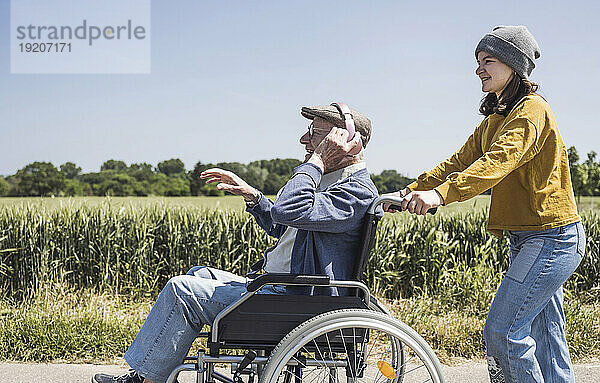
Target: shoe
[{"x": 130, "y": 377}]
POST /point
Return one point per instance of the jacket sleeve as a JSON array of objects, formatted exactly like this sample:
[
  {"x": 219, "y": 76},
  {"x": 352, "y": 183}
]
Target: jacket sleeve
[
  {"x": 338, "y": 209},
  {"x": 458, "y": 162},
  {"x": 516, "y": 144},
  {"x": 262, "y": 215}
]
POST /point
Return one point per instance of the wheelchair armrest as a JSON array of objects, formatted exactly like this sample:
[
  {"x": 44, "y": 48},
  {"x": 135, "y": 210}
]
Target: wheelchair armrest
[{"x": 287, "y": 279}]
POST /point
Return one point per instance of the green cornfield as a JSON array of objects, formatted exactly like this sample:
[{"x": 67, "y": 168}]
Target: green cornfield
[{"x": 134, "y": 249}]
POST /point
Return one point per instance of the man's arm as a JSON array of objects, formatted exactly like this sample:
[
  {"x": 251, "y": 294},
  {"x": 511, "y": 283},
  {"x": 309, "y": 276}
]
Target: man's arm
[
  {"x": 231, "y": 182},
  {"x": 336, "y": 210},
  {"x": 262, "y": 214}
]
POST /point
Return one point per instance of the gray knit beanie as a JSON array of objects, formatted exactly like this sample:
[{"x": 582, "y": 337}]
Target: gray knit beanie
[{"x": 514, "y": 45}]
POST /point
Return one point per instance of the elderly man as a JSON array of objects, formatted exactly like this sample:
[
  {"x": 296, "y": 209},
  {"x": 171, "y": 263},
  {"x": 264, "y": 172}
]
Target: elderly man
[{"x": 317, "y": 217}]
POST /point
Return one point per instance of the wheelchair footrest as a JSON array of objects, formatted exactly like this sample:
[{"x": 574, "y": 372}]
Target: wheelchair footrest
[
  {"x": 248, "y": 358},
  {"x": 221, "y": 377}
]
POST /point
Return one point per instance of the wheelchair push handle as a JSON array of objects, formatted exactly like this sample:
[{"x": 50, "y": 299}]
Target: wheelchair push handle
[
  {"x": 394, "y": 202},
  {"x": 399, "y": 208}
]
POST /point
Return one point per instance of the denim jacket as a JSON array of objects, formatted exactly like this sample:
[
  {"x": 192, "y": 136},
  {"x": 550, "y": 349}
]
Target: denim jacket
[{"x": 329, "y": 222}]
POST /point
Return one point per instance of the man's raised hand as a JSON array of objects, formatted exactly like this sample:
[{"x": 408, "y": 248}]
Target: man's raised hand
[
  {"x": 230, "y": 182},
  {"x": 335, "y": 151}
]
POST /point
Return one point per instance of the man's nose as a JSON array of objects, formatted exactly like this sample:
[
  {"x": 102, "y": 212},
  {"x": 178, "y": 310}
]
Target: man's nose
[{"x": 305, "y": 139}]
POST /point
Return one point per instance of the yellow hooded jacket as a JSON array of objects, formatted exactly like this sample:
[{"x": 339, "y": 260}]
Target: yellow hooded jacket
[{"x": 523, "y": 159}]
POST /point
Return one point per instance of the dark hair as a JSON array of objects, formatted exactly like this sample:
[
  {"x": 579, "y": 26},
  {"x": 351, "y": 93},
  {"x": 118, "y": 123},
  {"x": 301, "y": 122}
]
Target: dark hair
[{"x": 515, "y": 90}]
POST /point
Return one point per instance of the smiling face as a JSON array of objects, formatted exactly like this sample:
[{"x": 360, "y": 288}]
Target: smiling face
[
  {"x": 320, "y": 130},
  {"x": 494, "y": 74}
]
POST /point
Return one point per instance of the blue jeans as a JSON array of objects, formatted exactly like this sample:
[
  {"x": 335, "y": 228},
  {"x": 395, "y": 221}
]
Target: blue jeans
[
  {"x": 185, "y": 304},
  {"x": 525, "y": 328}
]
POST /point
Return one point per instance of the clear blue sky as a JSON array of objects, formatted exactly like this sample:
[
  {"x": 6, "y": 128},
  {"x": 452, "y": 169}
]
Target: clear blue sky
[{"x": 229, "y": 77}]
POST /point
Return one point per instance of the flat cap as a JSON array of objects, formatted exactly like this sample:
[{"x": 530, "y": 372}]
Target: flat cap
[{"x": 331, "y": 114}]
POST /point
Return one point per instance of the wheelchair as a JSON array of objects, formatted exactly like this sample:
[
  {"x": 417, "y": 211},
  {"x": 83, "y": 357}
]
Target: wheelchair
[{"x": 314, "y": 338}]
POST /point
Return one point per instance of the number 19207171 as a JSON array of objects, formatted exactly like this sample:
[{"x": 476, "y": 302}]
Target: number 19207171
[{"x": 45, "y": 47}]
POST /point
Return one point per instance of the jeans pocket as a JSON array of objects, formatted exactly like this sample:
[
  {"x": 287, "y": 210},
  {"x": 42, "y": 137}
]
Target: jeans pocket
[
  {"x": 524, "y": 259},
  {"x": 581, "y": 239}
]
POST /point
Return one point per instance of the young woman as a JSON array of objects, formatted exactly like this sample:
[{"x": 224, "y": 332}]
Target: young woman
[{"x": 518, "y": 152}]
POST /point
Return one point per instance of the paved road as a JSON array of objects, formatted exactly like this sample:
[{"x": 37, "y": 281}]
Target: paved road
[{"x": 82, "y": 373}]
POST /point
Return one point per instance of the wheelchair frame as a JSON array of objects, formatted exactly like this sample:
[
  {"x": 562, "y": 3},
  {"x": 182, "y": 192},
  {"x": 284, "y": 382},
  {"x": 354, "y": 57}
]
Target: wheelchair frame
[{"x": 229, "y": 330}]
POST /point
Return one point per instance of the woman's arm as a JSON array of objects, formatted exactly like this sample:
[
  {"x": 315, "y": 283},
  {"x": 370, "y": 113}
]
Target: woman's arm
[{"x": 515, "y": 145}]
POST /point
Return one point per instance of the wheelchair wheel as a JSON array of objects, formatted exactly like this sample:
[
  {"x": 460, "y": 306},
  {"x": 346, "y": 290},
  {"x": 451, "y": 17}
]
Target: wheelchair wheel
[
  {"x": 351, "y": 346},
  {"x": 397, "y": 350}
]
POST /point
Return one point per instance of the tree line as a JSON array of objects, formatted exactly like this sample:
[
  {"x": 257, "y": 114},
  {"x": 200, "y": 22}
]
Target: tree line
[
  {"x": 170, "y": 178},
  {"x": 585, "y": 176}
]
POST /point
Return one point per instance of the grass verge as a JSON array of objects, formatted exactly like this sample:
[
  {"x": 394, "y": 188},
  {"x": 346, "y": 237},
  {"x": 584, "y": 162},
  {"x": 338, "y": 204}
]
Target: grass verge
[
  {"x": 81, "y": 327},
  {"x": 88, "y": 327}
]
